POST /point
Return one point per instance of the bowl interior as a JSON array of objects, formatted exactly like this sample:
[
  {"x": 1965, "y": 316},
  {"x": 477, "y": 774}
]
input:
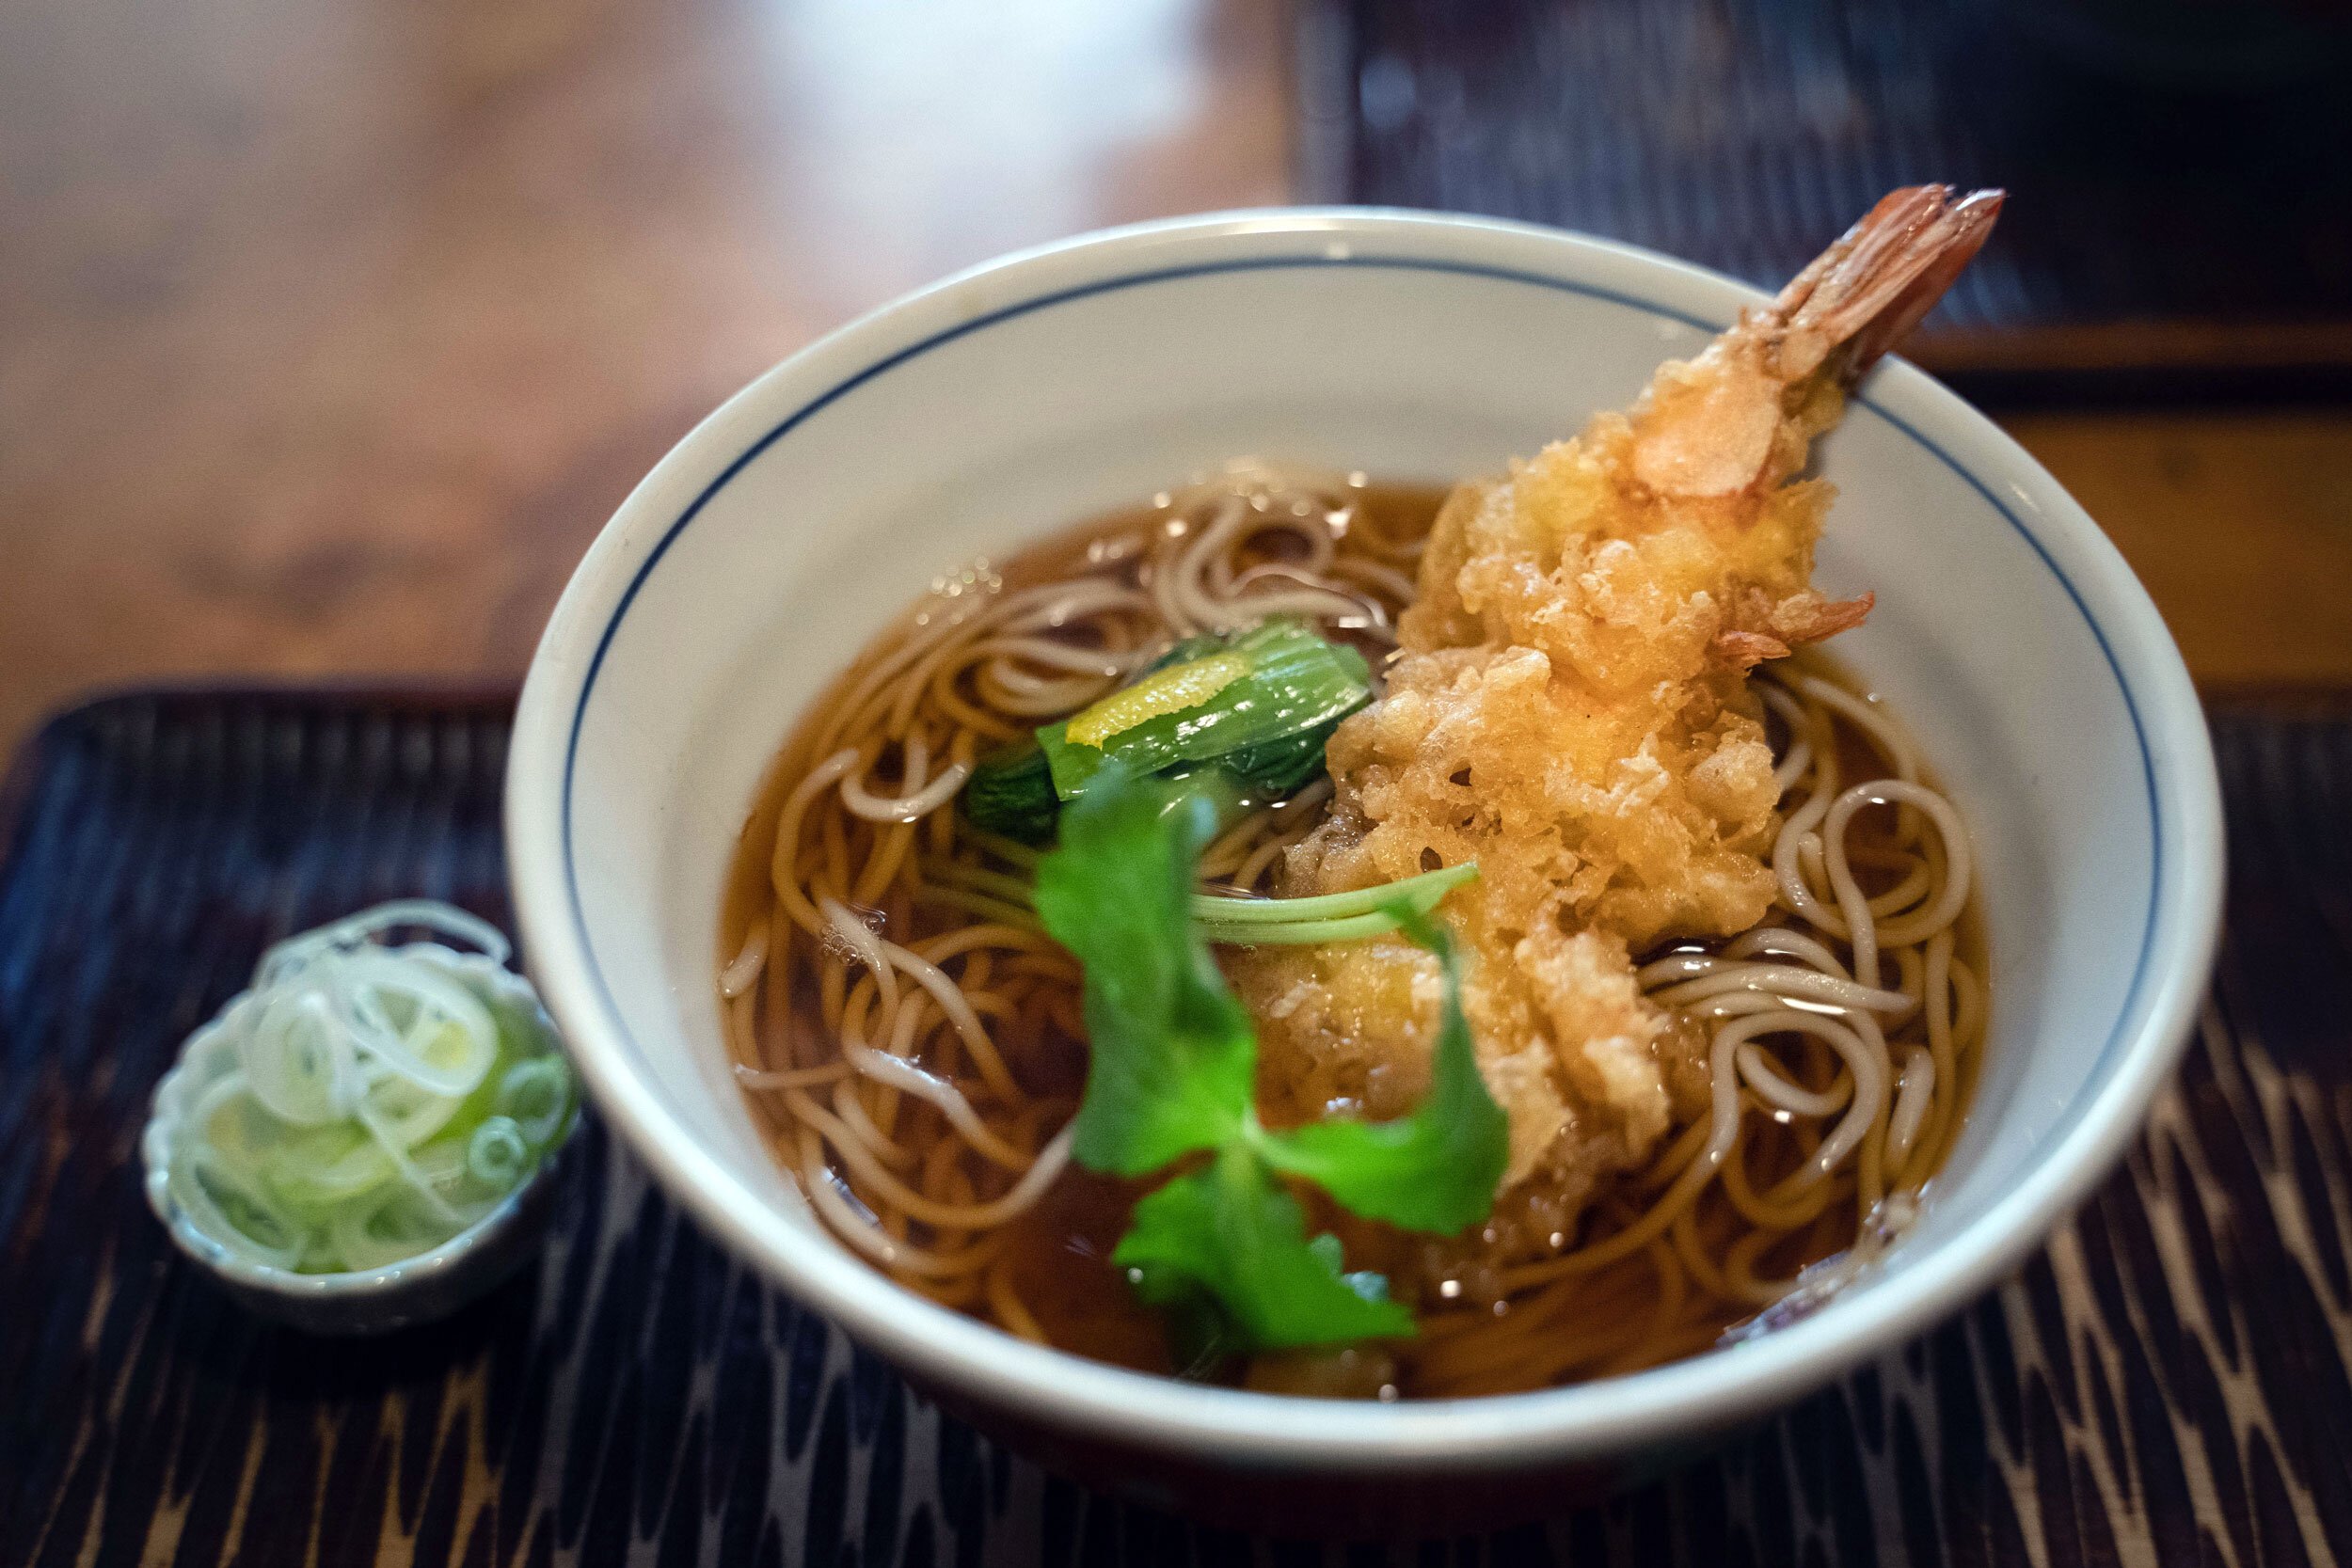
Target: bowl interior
[{"x": 785, "y": 532}]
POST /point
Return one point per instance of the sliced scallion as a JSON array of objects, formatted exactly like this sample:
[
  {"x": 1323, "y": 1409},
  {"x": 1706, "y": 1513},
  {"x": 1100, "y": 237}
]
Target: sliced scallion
[{"x": 380, "y": 1101}]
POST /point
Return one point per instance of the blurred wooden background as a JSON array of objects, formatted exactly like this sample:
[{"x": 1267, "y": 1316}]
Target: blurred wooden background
[{"x": 331, "y": 330}]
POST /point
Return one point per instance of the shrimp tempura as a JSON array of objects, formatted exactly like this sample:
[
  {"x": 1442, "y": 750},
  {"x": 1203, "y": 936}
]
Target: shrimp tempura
[{"x": 1570, "y": 708}]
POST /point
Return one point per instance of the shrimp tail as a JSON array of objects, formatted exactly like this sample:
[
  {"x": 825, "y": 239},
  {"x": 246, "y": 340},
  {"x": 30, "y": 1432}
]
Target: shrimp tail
[
  {"x": 1858, "y": 298},
  {"x": 1727, "y": 421}
]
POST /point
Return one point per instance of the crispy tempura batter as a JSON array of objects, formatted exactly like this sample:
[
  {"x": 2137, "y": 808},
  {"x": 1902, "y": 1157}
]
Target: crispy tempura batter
[{"x": 1570, "y": 708}]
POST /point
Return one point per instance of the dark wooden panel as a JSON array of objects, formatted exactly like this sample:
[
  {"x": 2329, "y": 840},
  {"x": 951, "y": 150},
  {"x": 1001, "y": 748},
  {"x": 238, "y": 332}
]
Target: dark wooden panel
[{"x": 2181, "y": 207}]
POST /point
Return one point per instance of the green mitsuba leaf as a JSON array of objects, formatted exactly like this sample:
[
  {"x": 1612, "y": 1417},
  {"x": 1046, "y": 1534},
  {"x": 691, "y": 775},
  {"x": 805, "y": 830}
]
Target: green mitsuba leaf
[
  {"x": 1433, "y": 1170},
  {"x": 1225, "y": 1249},
  {"x": 1173, "y": 1053}
]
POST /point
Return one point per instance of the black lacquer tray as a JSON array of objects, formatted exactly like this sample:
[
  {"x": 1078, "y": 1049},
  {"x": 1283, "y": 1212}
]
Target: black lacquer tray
[{"x": 2166, "y": 1384}]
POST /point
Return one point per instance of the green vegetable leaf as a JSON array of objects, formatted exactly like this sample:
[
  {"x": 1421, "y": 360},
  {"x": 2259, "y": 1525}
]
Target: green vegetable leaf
[
  {"x": 1433, "y": 1170},
  {"x": 1011, "y": 792},
  {"x": 1266, "y": 700},
  {"x": 1173, "y": 1053},
  {"x": 1225, "y": 1250},
  {"x": 1278, "y": 767}
]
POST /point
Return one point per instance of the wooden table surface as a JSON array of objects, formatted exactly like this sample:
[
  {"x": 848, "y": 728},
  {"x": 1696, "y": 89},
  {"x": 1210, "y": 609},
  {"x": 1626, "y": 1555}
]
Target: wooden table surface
[{"x": 331, "y": 330}]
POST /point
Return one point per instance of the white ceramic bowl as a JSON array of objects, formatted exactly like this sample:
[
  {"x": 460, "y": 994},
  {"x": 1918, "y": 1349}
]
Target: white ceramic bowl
[{"x": 1016, "y": 398}]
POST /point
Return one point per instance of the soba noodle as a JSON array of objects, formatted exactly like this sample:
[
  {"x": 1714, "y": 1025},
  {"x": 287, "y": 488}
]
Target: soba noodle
[{"x": 914, "y": 1039}]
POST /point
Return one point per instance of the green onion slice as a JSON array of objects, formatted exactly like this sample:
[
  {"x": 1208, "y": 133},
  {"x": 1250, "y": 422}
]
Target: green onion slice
[{"x": 379, "y": 1103}]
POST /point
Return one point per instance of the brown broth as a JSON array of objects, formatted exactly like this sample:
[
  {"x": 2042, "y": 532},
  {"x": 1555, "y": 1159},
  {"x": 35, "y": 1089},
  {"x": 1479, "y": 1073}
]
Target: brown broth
[{"x": 1056, "y": 1255}]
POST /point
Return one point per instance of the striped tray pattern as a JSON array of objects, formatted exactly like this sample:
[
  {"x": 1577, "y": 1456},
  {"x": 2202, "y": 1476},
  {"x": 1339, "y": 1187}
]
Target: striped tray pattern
[{"x": 2167, "y": 1383}]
